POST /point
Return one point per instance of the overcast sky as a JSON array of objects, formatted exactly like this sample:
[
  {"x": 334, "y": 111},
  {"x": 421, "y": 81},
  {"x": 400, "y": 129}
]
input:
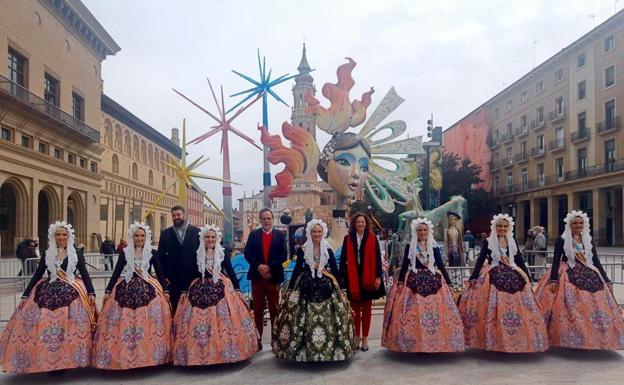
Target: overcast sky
[{"x": 444, "y": 57}]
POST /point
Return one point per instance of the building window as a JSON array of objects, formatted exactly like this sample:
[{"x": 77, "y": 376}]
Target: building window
[
  {"x": 94, "y": 167},
  {"x": 582, "y": 161},
  {"x": 610, "y": 76},
  {"x": 524, "y": 178},
  {"x": 523, "y": 149},
  {"x": 6, "y": 134},
  {"x": 582, "y": 122},
  {"x": 51, "y": 89},
  {"x": 17, "y": 67},
  {"x": 559, "y": 136},
  {"x": 559, "y": 169},
  {"x": 523, "y": 122},
  {"x": 610, "y": 114},
  {"x": 523, "y": 96},
  {"x": 26, "y": 141},
  {"x": 135, "y": 171},
  {"x": 115, "y": 164},
  {"x": 496, "y": 113},
  {"x": 539, "y": 142},
  {"x": 581, "y": 59},
  {"x": 559, "y": 106},
  {"x": 71, "y": 158},
  {"x": 540, "y": 114},
  {"x": 582, "y": 90},
  {"x": 77, "y": 106},
  {"x": 43, "y": 148},
  {"x": 58, "y": 153},
  {"x": 509, "y": 130},
  {"x": 610, "y": 155},
  {"x": 150, "y": 178},
  {"x": 508, "y": 105},
  {"x": 559, "y": 75},
  {"x": 540, "y": 174},
  {"x": 164, "y": 182},
  {"x": 510, "y": 182},
  {"x": 539, "y": 86},
  {"x": 83, "y": 163},
  {"x": 609, "y": 44},
  {"x": 496, "y": 183}
]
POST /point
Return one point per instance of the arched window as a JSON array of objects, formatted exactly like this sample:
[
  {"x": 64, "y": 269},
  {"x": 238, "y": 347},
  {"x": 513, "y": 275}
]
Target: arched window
[
  {"x": 150, "y": 155},
  {"x": 151, "y": 178},
  {"x": 135, "y": 147},
  {"x": 162, "y": 162},
  {"x": 108, "y": 134},
  {"x": 143, "y": 152},
  {"x": 127, "y": 143},
  {"x": 115, "y": 164},
  {"x": 118, "y": 143},
  {"x": 168, "y": 162},
  {"x": 135, "y": 171},
  {"x": 164, "y": 183}
]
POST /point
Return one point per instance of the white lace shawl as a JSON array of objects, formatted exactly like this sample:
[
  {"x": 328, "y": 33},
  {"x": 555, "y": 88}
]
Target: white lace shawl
[
  {"x": 568, "y": 241},
  {"x": 308, "y": 248},
  {"x": 131, "y": 259},
  {"x": 429, "y": 260},
  {"x": 204, "y": 260},
  {"x": 52, "y": 251},
  {"x": 493, "y": 240}
]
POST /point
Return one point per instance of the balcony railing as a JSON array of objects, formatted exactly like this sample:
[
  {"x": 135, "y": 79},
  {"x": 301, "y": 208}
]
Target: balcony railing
[
  {"x": 493, "y": 142},
  {"x": 49, "y": 110},
  {"x": 522, "y": 157},
  {"x": 544, "y": 181},
  {"x": 508, "y": 162},
  {"x": 522, "y": 130},
  {"x": 557, "y": 144},
  {"x": 609, "y": 125},
  {"x": 580, "y": 135},
  {"x": 537, "y": 124},
  {"x": 537, "y": 151},
  {"x": 556, "y": 115},
  {"x": 507, "y": 137}
]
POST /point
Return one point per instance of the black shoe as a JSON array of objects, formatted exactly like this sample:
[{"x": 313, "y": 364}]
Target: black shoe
[
  {"x": 364, "y": 348},
  {"x": 259, "y": 345}
]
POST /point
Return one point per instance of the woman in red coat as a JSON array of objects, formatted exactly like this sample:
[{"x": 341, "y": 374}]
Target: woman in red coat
[{"x": 360, "y": 267}]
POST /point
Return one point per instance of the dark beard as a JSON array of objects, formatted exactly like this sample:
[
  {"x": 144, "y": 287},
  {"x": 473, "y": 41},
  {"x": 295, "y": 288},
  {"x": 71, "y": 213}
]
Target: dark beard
[{"x": 178, "y": 222}]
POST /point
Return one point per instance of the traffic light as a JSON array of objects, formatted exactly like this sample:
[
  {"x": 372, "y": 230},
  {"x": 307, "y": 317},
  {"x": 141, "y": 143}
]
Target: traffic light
[{"x": 430, "y": 127}]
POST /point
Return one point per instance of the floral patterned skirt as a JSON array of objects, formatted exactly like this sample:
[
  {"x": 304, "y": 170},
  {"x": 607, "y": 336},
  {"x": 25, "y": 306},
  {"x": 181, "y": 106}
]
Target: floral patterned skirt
[
  {"x": 213, "y": 325},
  {"x": 421, "y": 319},
  {"x": 582, "y": 313},
  {"x": 501, "y": 317},
  {"x": 134, "y": 327},
  {"x": 312, "y": 329},
  {"x": 52, "y": 331}
]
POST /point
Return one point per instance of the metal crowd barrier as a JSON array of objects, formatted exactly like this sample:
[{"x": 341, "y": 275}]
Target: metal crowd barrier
[{"x": 12, "y": 285}]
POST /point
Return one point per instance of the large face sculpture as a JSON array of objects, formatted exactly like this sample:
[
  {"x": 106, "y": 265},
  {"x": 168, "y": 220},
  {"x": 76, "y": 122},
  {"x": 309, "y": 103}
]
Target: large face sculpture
[{"x": 346, "y": 165}]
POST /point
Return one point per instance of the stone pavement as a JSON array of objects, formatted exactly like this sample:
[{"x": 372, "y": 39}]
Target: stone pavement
[{"x": 377, "y": 366}]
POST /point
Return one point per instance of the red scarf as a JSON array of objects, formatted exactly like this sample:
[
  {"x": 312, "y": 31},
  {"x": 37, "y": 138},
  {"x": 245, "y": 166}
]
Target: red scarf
[{"x": 369, "y": 269}]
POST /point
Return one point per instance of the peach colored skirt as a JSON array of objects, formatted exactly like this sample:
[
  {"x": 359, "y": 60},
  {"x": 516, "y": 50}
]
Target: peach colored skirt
[
  {"x": 213, "y": 325},
  {"x": 500, "y": 313},
  {"x": 134, "y": 327},
  {"x": 421, "y": 316},
  {"x": 582, "y": 313},
  {"x": 52, "y": 331}
]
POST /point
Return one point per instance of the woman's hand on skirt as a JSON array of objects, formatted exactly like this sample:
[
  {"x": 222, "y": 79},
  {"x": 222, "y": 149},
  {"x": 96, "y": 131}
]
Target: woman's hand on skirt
[
  {"x": 106, "y": 296},
  {"x": 92, "y": 299},
  {"x": 22, "y": 303},
  {"x": 553, "y": 286},
  {"x": 610, "y": 286},
  {"x": 167, "y": 297},
  {"x": 377, "y": 283}
]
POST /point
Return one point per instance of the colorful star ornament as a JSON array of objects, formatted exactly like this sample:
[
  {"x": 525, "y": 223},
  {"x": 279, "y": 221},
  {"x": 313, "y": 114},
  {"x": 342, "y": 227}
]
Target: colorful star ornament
[
  {"x": 184, "y": 177},
  {"x": 262, "y": 87}
]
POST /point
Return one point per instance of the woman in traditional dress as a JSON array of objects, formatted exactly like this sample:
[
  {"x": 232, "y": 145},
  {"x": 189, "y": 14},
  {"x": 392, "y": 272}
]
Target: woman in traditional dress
[
  {"x": 314, "y": 323},
  {"x": 498, "y": 308},
  {"x": 423, "y": 316},
  {"x": 576, "y": 294},
  {"x": 52, "y": 327},
  {"x": 213, "y": 324},
  {"x": 134, "y": 327},
  {"x": 361, "y": 269}
]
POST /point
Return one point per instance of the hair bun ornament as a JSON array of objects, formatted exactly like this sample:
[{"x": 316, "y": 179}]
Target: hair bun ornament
[
  {"x": 576, "y": 214},
  {"x": 419, "y": 221},
  {"x": 67, "y": 226}
]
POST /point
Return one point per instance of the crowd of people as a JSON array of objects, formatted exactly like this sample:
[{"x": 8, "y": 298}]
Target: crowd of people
[{"x": 182, "y": 304}]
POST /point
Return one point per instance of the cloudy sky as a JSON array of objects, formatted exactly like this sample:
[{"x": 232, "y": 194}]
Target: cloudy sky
[{"x": 444, "y": 58}]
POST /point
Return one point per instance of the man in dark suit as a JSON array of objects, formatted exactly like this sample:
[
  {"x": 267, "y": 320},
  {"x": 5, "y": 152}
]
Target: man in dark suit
[
  {"x": 266, "y": 252},
  {"x": 177, "y": 253}
]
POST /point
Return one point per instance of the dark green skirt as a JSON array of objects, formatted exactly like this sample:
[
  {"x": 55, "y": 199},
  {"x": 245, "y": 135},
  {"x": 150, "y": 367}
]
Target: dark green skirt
[{"x": 311, "y": 328}]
